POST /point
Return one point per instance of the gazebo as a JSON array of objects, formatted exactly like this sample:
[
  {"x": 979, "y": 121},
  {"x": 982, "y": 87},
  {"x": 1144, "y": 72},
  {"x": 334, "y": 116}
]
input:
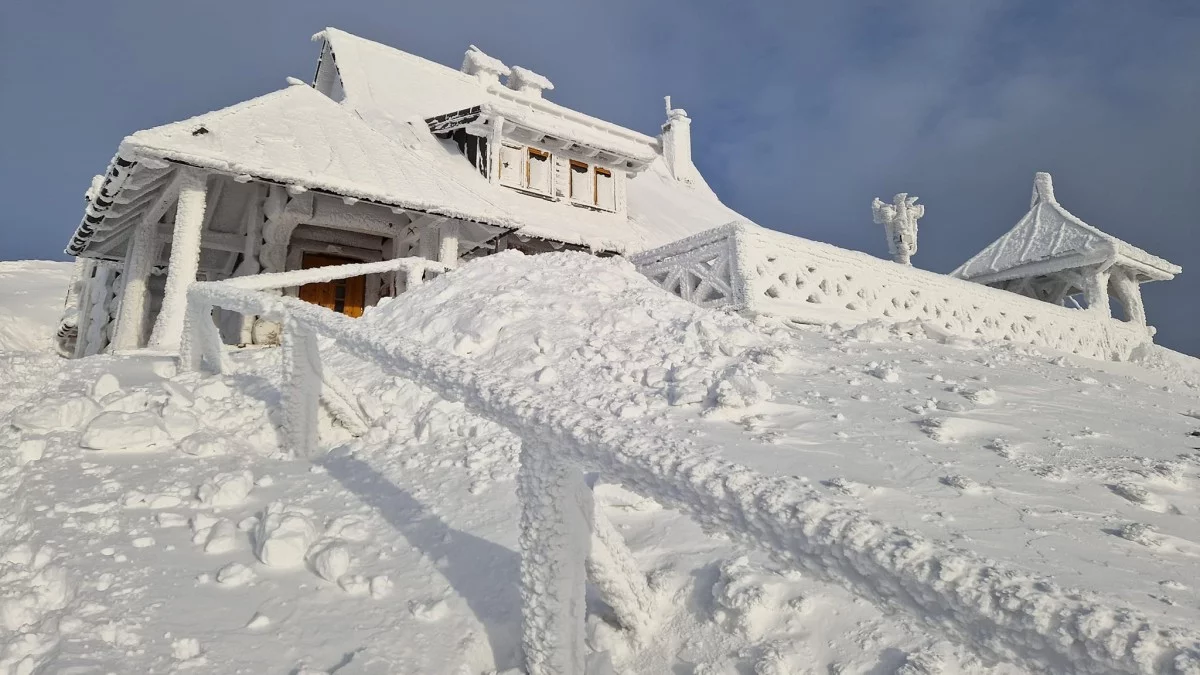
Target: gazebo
[{"x": 1052, "y": 255}]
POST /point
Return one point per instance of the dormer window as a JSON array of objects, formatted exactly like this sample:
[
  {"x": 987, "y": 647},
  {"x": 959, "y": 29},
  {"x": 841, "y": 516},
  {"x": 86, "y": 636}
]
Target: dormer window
[
  {"x": 527, "y": 168},
  {"x": 592, "y": 186},
  {"x": 512, "y": 166},
  {"x": 539, "y": 171},
  {"x": 606, "y": 190},
  {"x": 580, "y": 189}
]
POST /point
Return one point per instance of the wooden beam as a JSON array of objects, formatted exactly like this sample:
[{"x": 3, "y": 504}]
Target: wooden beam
[
  {"x": 363, "y": 254},
  {"x": 335, "y": 236},
  {"x": 152, "y": 178},
  {"x": 426, "y": 220}
]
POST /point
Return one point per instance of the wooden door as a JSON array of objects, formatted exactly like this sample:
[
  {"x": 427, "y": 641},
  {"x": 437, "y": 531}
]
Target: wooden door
[{"x": 347, "y": 296}]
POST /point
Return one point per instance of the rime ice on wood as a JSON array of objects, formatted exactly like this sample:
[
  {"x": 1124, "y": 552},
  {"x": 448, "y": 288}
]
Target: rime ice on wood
[{"x": 899, "y": 220}]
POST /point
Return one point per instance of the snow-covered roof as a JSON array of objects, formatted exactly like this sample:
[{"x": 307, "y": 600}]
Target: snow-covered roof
[
  {"x": 1050, "y": 239},
  {"x": 389, "y": 87},
  {"x": 297, "y": 136},
  {"x": 375, "y": 145}
]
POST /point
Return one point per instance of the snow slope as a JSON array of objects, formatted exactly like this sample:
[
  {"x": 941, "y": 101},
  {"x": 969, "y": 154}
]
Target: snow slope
[
  {"x": 159, "y": 527},
  {"x": 33, "y": 302}
]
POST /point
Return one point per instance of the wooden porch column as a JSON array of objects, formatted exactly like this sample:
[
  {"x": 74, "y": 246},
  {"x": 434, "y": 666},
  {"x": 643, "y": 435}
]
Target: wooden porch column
[
  {"x": 448, "y": 251},
  {"x": 185, "y": 259},
  {"x": 131, "y": 317},
  {"x": 84, "y": 313},
  {"x": 427, "y": 244},
  {"x": 494, "y": 144}
]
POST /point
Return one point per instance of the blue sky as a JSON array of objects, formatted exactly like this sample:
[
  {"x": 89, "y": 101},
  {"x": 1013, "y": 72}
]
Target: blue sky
[{"x": 803, "y": 111}]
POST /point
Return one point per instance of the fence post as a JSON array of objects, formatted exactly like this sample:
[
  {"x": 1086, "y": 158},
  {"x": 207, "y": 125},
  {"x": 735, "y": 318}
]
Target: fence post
[
  {"x": 554, "y": 543},
  {"x": 612, "y": 569},
  {"x": 413, "y": 275},
  {"x": 301, "y": 387},
  {"x": 200, "y": 345}
]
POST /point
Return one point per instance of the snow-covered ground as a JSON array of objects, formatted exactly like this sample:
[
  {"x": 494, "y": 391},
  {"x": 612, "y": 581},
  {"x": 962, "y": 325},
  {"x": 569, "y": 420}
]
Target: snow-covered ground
[
  {"x": 33, "y": 291},
  {"x": 158, "y": 526}
]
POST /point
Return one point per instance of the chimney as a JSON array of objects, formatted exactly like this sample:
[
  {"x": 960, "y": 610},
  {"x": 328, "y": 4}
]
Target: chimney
[
  {"x": 1043, "y": 189},
  {"x": 525, "y": 81},
  {"x": 485, "y": 68},
  {"x": 677, "y": 143}
]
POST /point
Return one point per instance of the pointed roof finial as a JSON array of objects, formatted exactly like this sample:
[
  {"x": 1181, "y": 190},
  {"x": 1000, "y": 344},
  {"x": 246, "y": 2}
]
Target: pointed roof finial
[{"x": 1043, "y": 189}]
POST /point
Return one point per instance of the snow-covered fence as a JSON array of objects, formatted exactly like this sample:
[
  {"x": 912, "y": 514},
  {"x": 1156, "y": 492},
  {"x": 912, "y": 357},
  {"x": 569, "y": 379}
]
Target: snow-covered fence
[
  {"x": 553, "y": 492},
  {"x": 1004, "y": 613},
  {"x": 306, "y": 383},
  {"x": 746, "y": 267}
]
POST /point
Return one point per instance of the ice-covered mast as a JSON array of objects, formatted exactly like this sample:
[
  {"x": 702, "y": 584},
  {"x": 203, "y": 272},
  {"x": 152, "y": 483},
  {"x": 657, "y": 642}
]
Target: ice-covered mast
[{"x": 899, "y": 220}]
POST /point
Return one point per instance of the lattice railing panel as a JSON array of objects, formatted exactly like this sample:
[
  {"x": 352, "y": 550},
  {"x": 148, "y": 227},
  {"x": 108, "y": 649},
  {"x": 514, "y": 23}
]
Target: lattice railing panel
[{"x": 749, "y": 268}]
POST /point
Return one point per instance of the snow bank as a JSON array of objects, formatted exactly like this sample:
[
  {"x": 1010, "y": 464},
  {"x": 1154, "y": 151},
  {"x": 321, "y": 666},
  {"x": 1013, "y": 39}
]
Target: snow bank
[{"x": 592, "y": 326}]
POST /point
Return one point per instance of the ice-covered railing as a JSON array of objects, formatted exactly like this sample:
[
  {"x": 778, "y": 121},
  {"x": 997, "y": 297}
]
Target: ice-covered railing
[
  {"x": 747, "y": 267},
  {"x": 413, "y": 268},
  {"x": 1004, "y": 613},
  {"x": 301, "y": 355}
]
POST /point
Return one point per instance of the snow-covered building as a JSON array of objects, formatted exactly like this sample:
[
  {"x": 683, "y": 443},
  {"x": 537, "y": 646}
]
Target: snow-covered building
[
  {"x": 385, "y": 155},
  {"x": 1052, "y": 255}
]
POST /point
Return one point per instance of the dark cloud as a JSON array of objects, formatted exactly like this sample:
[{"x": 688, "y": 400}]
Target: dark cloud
[{"x": 803, "y": 111}]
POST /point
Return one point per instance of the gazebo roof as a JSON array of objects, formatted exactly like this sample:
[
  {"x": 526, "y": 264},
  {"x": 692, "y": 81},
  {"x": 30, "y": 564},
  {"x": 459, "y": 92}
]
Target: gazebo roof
[{"x": 1050, "y": 239}]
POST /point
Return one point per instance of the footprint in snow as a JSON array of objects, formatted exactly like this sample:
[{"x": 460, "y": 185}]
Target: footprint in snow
[{"x": 1140, "y": 496}]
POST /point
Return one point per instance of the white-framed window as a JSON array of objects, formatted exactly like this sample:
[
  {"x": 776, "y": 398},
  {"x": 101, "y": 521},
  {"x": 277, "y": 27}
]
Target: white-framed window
[
  {"x": 606, "y": 189},
  {"x": 539, "y": 171},
  {"x": 527, "y": 168},
  {"x": 512, "y": 165},
  {"x": 580, "y": 188},
  {"x": 592, "y": 185}
]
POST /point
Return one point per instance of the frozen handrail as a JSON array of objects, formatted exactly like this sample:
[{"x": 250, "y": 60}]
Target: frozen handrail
[{"x": 316, "y": 275}]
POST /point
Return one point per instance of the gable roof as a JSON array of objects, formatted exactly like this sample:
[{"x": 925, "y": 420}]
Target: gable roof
[
  {"x": 390, "y": 87},
  {"x": 1049, "y": 239}
]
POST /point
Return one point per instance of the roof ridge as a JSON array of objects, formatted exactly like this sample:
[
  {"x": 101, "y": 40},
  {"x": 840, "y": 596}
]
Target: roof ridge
[{"x": 221, "y": 113}]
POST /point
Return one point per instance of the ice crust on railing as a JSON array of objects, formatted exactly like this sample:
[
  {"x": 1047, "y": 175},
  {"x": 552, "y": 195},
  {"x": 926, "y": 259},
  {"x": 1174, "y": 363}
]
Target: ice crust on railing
[
  {"x": 1003, "y": 612},
  {"x": 318, "y": 275}
]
